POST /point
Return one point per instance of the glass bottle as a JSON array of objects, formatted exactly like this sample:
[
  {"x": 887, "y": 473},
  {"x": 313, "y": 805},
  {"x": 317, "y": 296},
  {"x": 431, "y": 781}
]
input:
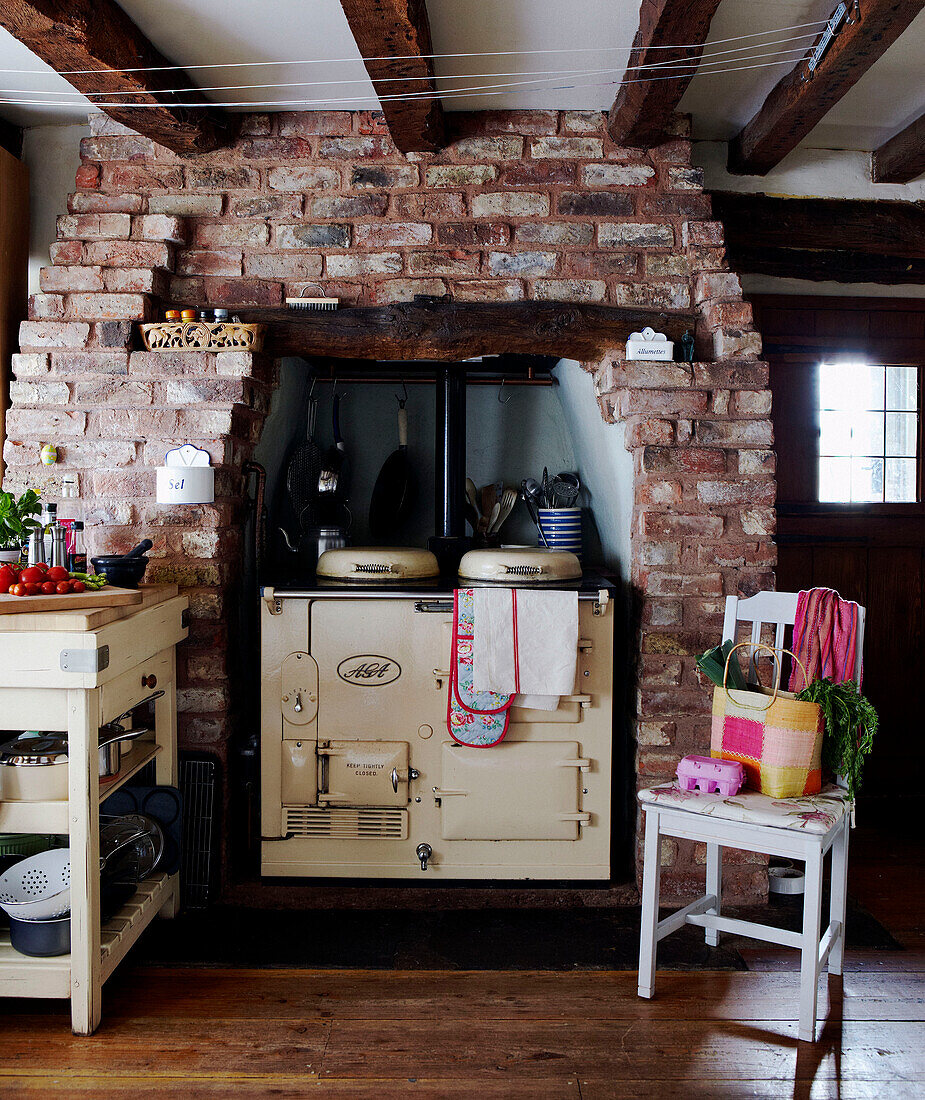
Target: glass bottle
[
  {"x": 77, "y": 559},
  {"x": 48, "y": 519}
]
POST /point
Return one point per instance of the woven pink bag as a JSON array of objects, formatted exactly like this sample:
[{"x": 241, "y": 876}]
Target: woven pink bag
[{"x": 774, "y": 736}]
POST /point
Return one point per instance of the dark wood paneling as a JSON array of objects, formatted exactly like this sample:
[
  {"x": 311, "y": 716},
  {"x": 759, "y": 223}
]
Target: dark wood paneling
[
  {"x": 874, "y": 554},
  {"x": 793, "y": 391},
  {"x": 893, "y": 664},
  {"x": 843, "y": 568}
]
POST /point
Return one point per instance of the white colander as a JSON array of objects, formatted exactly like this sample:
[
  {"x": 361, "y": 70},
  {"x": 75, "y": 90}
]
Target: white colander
[{"x": 39, "y": 887}]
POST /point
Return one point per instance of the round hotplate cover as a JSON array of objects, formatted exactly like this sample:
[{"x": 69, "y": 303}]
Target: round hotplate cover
[
  {"x": 377, "y": 563},
  {"x": 520, "y": 564}
]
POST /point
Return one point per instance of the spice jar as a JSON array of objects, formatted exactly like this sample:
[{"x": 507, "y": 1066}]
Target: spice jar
[{"x": 188, "y": 314}]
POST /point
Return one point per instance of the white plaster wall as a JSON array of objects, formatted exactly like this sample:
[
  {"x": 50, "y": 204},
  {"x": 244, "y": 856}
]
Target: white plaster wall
[
  {"x": 53, "y": 156},
  {"x": 603, "y": 463},
  {"x": 812, "y": 173}
]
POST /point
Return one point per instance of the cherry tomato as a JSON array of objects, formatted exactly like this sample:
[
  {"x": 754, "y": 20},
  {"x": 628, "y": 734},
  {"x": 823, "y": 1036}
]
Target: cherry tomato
[
  {"x": 48, "y": 588},
  {"x": 57, "y": 573},
  {"x": 42, "y": 565},
  {"x": 18, "y": 590},
  {"x": 63, "y": 587},
  {"x": 32, "y": 589},
  {"x": 78, "y": 586},
  {"x": 32, "y": 575}
]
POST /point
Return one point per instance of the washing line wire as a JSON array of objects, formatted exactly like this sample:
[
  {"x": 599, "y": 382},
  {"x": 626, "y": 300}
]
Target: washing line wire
[
  {"x": 415, "y": 57},
  {"x": 489, "y": 90},
  {"x": 706, "y": 59}
]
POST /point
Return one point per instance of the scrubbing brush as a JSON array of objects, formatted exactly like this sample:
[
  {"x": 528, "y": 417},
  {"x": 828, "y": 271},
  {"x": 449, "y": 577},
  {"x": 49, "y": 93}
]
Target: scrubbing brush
[{"x": 312, "y": 303}]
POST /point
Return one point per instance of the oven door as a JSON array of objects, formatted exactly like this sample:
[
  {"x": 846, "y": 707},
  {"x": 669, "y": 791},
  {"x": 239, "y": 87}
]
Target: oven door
[
  {"x": 376, "y": 661},
  {"x": 363, "y": 773},
  {"x": 518, "y": 790}
]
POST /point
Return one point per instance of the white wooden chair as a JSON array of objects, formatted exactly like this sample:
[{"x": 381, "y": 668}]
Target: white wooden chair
[{"x": 804, "y": 829}]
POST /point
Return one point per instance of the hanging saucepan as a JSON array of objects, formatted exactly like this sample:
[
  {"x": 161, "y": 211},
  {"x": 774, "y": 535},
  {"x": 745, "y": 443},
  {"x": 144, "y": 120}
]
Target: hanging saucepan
[{"x": 112, "y": 735}]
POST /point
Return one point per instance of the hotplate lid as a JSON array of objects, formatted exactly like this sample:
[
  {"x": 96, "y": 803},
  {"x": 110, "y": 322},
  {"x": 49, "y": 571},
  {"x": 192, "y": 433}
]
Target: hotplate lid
[
  {"x": 520, "y": 564},
  {"x": 377, "y": 563}
]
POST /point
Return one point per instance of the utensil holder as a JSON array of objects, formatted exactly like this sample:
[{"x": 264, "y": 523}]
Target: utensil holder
[{"x": 562, "y": 528}]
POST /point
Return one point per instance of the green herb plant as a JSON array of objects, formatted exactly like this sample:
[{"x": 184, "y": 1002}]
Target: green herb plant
[
  {"x": 17, "y": 518},
  {"x": 850, "y": 726}
]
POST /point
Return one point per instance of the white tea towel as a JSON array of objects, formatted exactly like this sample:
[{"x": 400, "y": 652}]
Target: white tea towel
[{"x": 526, "y": 643}]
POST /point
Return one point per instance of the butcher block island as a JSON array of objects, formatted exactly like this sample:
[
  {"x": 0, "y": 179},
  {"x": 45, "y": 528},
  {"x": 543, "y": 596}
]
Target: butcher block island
[
  {"x": 110, "y": 596},
  {"x": 72, "y": 671}
]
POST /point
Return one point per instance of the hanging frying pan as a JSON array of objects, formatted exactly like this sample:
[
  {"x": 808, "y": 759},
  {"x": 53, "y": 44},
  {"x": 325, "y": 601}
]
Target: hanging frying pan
[
  {"x": 332, "y": 475},
  {"x": 394, "y": 488},
  {"x": 304, "y": 465}
]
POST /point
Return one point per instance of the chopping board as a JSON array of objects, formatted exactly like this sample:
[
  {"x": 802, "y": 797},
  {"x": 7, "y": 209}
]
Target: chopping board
[
  {"x": 89, "y": 618},
  {"x": 110, "y": 596}
]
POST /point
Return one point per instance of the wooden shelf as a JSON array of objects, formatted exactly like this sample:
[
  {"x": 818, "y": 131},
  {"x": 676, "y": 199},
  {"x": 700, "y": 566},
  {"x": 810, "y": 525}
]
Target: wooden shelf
[
  {"x": 51, "y": 817},
  {"x": 122, "y": 930},
  {"x": 26, "y": 976},
  {"x": 142, "y": 752}
]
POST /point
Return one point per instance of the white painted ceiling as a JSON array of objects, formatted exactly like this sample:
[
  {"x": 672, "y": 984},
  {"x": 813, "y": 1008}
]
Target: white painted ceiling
[{"x": 308, "y": 43}]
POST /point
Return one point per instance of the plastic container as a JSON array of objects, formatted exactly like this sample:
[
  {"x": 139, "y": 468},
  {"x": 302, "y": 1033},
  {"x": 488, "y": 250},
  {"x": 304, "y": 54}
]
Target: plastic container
[
  {"x": 24, "y": 844},
  {"x": 710, "y": 775}
]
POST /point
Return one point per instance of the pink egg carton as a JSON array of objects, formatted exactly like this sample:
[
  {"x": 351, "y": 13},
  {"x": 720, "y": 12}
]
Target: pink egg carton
[{"x": 711, "y": 775}]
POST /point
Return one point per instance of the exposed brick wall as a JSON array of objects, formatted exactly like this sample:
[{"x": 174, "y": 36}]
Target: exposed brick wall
[{"x": 523, "y": 204}]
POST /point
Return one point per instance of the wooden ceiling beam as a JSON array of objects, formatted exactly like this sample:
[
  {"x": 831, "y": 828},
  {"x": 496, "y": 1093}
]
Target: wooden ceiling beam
[
  {"x": 76, "y": 35},
  {"x": 902, "y": 158},
  {"x": 799, "y": 101},
  {"x": 646, "y": 100},
  {"x": 858, "y": 225},
  {"x": 833, "y": 265},
  {"x": 398, "y": 31},
  {"x": 843, "y": 240}
]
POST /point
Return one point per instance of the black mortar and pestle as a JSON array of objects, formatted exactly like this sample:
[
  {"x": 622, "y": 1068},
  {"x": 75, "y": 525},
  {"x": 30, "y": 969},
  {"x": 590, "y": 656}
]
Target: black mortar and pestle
[{"x": 124, "y": 570}]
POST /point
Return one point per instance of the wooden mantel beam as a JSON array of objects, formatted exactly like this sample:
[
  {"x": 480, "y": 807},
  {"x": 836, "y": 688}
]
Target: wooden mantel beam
[
  {"x": 645, "y": 103},
  {"x": 902, "y": 158},
  {"x": 439, "y": 329},
  {"x": 97, "y": 35},
  {"x": 400, "y": 29},
  {"x": 845, "y": 240},
  {"x": 799, "y": 101}
]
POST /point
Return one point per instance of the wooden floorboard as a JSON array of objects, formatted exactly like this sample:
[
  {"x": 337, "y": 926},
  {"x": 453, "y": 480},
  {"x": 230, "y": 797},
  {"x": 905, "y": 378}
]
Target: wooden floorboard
[{"x": 239, "y": 1033}]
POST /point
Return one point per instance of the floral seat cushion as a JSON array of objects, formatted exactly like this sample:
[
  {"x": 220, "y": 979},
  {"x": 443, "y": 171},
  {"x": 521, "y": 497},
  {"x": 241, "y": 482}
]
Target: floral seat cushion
[{"x": 817, "y": 813}]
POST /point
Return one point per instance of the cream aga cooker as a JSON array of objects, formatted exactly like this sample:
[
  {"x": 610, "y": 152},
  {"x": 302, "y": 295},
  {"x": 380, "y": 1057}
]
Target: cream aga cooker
[{"x": 359, "y": 776}]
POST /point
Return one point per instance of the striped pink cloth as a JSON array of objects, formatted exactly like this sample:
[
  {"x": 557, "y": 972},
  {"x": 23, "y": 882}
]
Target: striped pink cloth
[{"x": 825, "y": 637}]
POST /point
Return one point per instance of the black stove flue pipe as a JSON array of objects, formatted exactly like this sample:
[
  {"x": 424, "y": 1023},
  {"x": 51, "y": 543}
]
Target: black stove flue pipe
[{"x": 450, "y": 541}]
